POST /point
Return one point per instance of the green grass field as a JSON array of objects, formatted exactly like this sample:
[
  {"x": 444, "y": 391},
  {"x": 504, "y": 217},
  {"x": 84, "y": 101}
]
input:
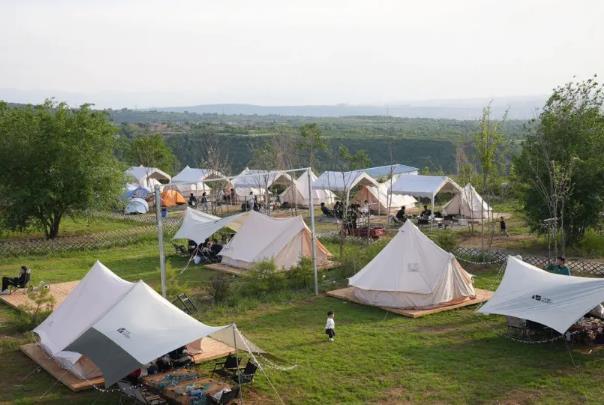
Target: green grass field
[{"x": 451, "y": 357}]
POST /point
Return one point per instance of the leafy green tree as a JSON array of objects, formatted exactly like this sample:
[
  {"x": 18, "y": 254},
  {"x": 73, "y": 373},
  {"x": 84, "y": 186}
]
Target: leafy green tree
[
  {"x": 559, "y": 171},
  {"x": 312, "y": 142},
  {"x": 152, "y": 151},
  {"x": 55, "y": 161}
]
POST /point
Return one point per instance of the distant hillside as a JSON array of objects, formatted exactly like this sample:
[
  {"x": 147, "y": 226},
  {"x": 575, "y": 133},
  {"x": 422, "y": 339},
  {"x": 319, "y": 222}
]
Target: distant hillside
[{"x": 517, "y": 107}]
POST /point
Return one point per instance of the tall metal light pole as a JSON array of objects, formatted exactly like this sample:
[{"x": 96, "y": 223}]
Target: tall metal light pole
[
  {"x": 160, "y": 238},
  {"x": 313, "y": 244}
]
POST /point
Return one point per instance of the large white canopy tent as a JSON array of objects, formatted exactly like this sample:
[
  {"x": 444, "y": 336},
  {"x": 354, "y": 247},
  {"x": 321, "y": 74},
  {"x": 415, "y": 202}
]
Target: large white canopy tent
[
  {"x": 258, "y": 182},
  {"x": 123, "y": 326},
  {"x": 469, "y": 204},
  {"x": 412, "y": 272},
  {"x": 424, "y": 186},
  {"x": 283, "y": 240},
  {"x": 343, "y": 182},
  {"x": 297, "y": 193},
  {"x": 148, "y": 176},
  {"x": 553, "y": 300},
  {"x": 390, "y": 170},
  {"x": 192, "y": 180},
  {"x": 198, "y": 226},
  {"x": 381, "y": 200}
]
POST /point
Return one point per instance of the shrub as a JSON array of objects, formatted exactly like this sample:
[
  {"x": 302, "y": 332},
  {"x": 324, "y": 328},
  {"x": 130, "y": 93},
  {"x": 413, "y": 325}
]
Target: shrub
[
  {"x": 174, "y": 284},
  {"x": 263, "y": 277},
  {"x": 300, "y": 276},
  {"x": 220, "y": 288},
  {"x": 446, "y": 239}
]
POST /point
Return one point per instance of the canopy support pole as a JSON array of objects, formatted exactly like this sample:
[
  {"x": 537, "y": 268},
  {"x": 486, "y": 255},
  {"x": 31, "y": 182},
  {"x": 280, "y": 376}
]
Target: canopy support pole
[
  {"x": 237, "y": 361},
  {"x": 313, "y": 241},
  {"x": 433, "y": 216},
  {"x": 160, "y": 239}
]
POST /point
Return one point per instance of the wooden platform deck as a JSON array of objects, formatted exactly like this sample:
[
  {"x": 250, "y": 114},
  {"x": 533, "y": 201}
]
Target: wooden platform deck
[
  {"x": 38, "y": 355},
  {"x": 19, "y": 299},
  {"x": 481, "y": 296},
  {"x": 210, "y": 350},
  {"x": 242, "y": 272}
]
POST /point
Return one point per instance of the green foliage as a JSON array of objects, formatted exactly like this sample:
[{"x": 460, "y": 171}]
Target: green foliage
[
  {"x": 55, "y": 161},
  {"x": 152, "y": 151},
  {"x": 445, "y": 238},
  {"x": 353, "y": 161},
  {"x": 300, "y": 276},
  {"x": 30, "y": 316},
  {"x": 220, "y": 288},
  {"x": 591, "y": 244},
  {"x": 175, "y": 285},
  {"x": 567, "y": 140},
  {"x": 312, "y": 141},
  {"x": 263, "y": 278}
]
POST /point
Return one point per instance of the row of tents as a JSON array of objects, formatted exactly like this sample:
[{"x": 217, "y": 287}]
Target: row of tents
[{"x": 402, "y": 187}]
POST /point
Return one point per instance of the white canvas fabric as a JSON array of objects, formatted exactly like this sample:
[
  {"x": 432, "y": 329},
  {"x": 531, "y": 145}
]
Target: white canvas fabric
[
  {"x": 192, "y": 180},
  {"x": 378, "y": 198},
  {"x": 137, "y": 206},
  {"x": 298, "y": 192},
  {"x": 412, "y": 272},
  {"x": 98, "y": 291},
  {"x": 386, "y": 171},
  {"x": 284, "y": 240},
  {"x": 198, "y": 226},
  {"x": 260, "y": 179},
  {"x": 553, "y": 300},
  {"x": 468, "y": 203},
  {"x": 148, "y": 176},
  {"x": 424, "y": 186},
  {"x": 343, "y": 181}
]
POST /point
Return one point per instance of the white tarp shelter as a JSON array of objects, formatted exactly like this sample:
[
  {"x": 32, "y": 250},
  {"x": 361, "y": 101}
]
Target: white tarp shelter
[
  {"x": 148, "y": 176},
  {"x": 469, "y": 204},
  {"x": 136, "y": 206},
  {"x": 412, "y": 272},
  {"x": 343, "y": 182},
  {"x": 379, "y": 198},
  {"x": 297, "y": 193},
  {"x": 553, "y": 300},
  {"x": 424, "y": 186},
  {"x": 284, "y": 240},
  {"x": 198, "y": 226},
  {"x": 192, "y": 180},
  {"x": 124, "y": 326},
  {"x": 387, "y": 171}
]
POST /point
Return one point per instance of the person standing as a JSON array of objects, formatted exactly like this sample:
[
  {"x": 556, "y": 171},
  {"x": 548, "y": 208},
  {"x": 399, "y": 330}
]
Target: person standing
[{"x": 330, "y": 326}]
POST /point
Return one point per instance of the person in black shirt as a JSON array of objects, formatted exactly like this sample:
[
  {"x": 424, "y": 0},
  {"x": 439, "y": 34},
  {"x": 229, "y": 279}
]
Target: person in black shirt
[
  {"x": 19, "y": 282},
  {"x": 192, "y": 201}
]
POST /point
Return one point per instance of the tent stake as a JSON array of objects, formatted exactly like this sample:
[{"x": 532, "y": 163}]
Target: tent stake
[
  {"x": 160, "y": 239},
  {"x": 313, "y": 237}
]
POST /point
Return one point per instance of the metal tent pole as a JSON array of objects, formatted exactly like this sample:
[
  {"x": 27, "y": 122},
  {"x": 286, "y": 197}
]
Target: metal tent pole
[
  {"x": 160, "y": 239},
  {"x": 313, "y": 242}
]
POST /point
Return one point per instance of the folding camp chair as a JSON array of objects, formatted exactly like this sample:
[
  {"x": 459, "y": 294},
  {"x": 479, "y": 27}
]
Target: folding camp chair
[
  {"x": 246, "y": 375},
  {"x": 226, "y": 397},
  {"x": 183, "y": 302},
  {"x": 180, "y": 250},
  {"x": 228, "y": 367},
  {"x": 140, "y": 394}
]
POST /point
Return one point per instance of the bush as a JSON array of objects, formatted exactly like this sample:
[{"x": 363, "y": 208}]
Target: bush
[
  {"x": 220, "y": 288},
  {"x": 301, "y": 276},
  {"x": 263, "y": 278},
  {"x": 174, "y": 284},
  {"x": 446, "y": 239},
  {"x": 591, "y": 245},
  {"x": 31, "y": 316}
]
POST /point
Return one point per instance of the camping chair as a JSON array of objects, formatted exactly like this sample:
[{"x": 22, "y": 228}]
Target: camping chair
[
  {"x": 246, "y": 375},
  {"x": 180, "y": 250},
  {"x": 226, "y": 397},
  {"x": 140, "y": 394},
  {"x": 228, "y": 367},
  {"x": 22, "y": 283},
  {"x": 183, "y": 302}
]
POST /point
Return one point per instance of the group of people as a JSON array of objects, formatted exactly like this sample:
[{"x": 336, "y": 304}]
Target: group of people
[
  {"x": 203, "y": 201},
  {"x": 207, "y": 252},
  {"x": 177, "y": 358}
]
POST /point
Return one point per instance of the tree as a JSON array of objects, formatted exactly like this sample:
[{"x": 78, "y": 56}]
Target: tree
[
  {"x": 152, "y": 151},
  {"x": 55, "y": 161},
  {"x": 312, "y": 142},
  {"x": 559, "y": 171}
]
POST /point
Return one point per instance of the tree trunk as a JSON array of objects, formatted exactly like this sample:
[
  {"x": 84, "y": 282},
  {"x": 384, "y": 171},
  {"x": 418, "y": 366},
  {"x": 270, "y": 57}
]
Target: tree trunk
[{"x": 53, "y": 230}]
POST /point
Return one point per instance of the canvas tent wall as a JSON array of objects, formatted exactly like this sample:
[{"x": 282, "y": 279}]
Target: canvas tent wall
[
  {"x": 379, "y": 198},
  {"x": 136, "y": 206},
  {"x": 192, "y": 180},
  {"x": 258, "y": 182},
  {"x": 553, "y": 300},
  {"x": 412, "y": 272},
  {"x": 284, "y": 240},
  {"x": 297, "y": 193},
  {"x": 89, "y": 300},
  {"x": 469, "y": 204},
  {"x": 148, "y": 176}
]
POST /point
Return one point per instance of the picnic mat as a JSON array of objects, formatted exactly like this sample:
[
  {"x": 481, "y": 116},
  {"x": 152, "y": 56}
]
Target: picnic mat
[
  {"x": 481, "y": 296},
  {"x": 19, "y": 299}
]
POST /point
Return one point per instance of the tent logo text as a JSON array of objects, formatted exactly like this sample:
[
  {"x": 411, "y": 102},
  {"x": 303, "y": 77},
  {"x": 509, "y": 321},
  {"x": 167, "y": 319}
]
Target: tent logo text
[
  {"x": 540, "y": 298},
  {"x": 124, "y": 332}
]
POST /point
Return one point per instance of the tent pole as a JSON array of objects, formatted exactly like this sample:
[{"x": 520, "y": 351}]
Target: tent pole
[
  {"x": 237, "y": 360},
  {"x": 160, "y": 239},
  {"x": 313, "y": 237},
  {"x": 432, "y": 219}
]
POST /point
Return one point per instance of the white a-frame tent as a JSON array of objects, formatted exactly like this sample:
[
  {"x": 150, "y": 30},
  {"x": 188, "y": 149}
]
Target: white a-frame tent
[
  {"x": 124, "y": 327},
  {"x": 553, "y": 300},
  {"x": 283, "y": 240},
  {"x": 469, "y": 204},
  {"x": 297, "y": 193},
  {"x": 412, "y": 272}
]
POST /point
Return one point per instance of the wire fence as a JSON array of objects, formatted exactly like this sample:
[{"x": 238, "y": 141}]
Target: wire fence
[{"x": 576, "y": 265}]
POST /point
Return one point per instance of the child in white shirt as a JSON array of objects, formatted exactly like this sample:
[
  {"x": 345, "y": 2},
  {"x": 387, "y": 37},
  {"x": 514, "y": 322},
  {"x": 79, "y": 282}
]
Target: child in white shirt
[{"x": 330, "y": 326}]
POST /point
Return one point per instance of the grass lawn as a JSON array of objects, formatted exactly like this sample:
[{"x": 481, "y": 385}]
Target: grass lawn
[{"x": 453, "y": 357}]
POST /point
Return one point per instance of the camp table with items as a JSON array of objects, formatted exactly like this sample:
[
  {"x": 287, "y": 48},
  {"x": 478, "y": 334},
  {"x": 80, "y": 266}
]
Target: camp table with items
[{"x": 185, "y": 386}]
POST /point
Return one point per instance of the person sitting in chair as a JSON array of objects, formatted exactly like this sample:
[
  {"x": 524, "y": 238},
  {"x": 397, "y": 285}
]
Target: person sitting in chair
[
  {"x": 19, "y": 282},
  {"x": 192, "y": 201},
  {"x": 424, "y": 216},
  {"x": 326, "y": 211},
  {"x": 559, "y": 267},
  {"x": 400, "y": 216}
]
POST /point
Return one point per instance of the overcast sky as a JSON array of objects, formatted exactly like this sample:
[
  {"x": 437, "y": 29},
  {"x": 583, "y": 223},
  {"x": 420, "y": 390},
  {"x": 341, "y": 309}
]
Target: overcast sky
[{"x": 165, "y": 53}]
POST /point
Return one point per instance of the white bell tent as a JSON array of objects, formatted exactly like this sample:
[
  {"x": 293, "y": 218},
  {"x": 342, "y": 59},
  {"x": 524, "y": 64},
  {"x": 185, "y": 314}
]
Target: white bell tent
[
  {"x": 297, "y": 193},
  {"x": 136, "y": 206},
  {"x": 469, "y": 204},
  {"x": 424, "y": 186},
  {"x": 123, "y": 326},
  {"x": 553, "y": 300},
  {"x": 412, "y": 272},
  {"x": 284, "y": 240}
]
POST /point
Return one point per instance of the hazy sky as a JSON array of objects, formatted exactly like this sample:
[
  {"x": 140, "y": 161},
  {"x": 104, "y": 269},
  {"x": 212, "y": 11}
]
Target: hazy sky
[{"x": 162, "y": 53}]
